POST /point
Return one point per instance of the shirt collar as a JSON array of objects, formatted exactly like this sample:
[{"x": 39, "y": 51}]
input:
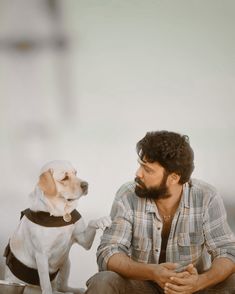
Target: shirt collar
[
  {"x": 150, "y": 206},
  {"x": 185, "y": 196}
]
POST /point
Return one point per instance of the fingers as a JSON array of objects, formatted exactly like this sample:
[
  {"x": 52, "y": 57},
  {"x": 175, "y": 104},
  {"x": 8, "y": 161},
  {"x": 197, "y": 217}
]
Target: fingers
[
  {"x": 191, "y": 269},
  {"x": 179, "y": 281},
  {"x": 183, "y": 275},
  {"x": 170, "y": 265},
  {"x": 172, "y": 288},
  {"x": 182, "y": 282},
  {"x": 188, "y": 271}
]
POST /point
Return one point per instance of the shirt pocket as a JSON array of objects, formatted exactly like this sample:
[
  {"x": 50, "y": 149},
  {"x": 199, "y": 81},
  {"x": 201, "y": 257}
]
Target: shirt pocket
[
  {"x": 141, "y": 248},
  {"x": 190, "y": 246}
]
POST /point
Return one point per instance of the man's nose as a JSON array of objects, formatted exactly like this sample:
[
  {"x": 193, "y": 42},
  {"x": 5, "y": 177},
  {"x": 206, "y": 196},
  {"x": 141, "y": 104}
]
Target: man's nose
[{"x": 139, "y": 173}]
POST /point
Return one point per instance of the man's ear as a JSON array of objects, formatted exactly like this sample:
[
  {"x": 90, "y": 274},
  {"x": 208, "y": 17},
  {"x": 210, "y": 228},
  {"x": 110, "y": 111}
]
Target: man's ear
[
  {"x": 47, "y": 183},
  {"x": 174, "y": 178}
]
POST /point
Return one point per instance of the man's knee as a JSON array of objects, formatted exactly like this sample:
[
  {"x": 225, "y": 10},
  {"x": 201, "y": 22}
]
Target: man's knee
[{"x": 105, "y": 282}]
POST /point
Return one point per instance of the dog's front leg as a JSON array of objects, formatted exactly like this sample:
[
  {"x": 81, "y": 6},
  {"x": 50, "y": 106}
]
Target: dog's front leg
[
  {"x": 43, "y": 272},
  {"x": 62, "y": 280},
  {"x": 63, "y": 276},
  {"x": 85, "y": 237}
]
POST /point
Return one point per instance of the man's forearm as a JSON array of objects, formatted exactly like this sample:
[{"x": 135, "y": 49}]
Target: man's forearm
[
  {"x": 122, "y": 264},
  {"x": 221, "y": 269}
]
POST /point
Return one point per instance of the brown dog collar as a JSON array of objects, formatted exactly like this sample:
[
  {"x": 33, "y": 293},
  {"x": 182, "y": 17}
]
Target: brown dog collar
[{"x": 44, "y": 219}]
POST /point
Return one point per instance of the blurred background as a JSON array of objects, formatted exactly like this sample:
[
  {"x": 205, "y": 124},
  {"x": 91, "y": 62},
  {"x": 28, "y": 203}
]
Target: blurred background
[{"x": 85, "y": 80}]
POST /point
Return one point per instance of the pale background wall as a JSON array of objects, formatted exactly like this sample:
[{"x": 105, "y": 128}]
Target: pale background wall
[{"x": 130, "y": 66}]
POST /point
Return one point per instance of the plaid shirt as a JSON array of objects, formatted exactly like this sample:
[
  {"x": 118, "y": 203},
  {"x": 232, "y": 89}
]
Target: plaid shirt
[{"x": 199, "y": 227}]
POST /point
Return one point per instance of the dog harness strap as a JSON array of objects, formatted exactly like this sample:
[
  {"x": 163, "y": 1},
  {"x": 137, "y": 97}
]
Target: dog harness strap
[
  {"x": 44, "y": 219},
  {"x": 21, "y": 271}
]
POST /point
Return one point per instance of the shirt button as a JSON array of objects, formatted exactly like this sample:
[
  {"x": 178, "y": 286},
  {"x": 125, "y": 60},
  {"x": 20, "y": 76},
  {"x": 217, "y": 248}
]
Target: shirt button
[
  {"x": 156, "y": 250},
  {"x": 159, "y": 228}
]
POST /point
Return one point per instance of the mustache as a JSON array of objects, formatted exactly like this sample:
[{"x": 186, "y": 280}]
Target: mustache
[{"x": 138, "y": 181}]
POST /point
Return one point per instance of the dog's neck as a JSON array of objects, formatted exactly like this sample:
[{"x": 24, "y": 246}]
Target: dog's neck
[{"x": 39, "y": 202}]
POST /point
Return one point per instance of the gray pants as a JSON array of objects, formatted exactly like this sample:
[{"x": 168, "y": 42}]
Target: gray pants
[{"x": 108, "y": 282}]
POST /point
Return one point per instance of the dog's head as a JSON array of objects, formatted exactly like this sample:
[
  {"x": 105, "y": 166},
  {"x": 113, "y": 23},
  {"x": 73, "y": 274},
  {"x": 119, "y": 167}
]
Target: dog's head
[{"x": 62, "y": 188}]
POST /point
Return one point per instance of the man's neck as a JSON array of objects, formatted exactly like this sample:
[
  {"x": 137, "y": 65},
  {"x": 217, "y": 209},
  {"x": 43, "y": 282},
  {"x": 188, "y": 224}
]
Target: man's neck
[{"x": 170, "y": 204}]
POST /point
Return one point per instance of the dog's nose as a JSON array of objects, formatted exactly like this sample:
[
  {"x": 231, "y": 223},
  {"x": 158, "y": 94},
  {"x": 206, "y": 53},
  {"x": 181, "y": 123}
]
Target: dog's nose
[{"x": 84, "y": 186}]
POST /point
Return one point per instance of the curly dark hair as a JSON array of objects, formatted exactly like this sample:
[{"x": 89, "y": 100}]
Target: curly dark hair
[{"x": 171, "y": 150}]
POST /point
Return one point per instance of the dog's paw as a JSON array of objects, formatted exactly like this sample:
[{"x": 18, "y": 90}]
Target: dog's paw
[{"x": 100, "y": 223}]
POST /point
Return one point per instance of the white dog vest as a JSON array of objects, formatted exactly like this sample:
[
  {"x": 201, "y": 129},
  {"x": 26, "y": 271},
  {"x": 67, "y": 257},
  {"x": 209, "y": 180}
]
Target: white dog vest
[{"x": 20, "y": 270}]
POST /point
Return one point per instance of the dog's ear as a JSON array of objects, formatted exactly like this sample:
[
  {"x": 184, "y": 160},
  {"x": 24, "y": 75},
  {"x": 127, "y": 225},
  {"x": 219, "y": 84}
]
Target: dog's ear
[{"x": 47, "y": 183}]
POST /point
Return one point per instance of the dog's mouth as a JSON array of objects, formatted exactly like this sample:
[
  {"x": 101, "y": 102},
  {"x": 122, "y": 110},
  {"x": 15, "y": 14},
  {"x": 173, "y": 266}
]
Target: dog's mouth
[
  {"x": 72, "y": 199},
  {"x": 85, "y": 191}
]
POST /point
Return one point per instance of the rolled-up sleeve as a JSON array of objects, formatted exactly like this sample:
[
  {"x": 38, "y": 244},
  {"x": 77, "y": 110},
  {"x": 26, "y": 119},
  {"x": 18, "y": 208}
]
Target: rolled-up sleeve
[
  {"x": 116, "y": 238},
  {"x": 220, "y": 240}
]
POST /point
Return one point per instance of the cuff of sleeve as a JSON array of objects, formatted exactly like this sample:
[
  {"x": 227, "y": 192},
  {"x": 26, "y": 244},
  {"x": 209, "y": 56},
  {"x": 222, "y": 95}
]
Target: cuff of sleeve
[
  {"x": 107, "y": 253},
  {"x": 226, "y": 255}
]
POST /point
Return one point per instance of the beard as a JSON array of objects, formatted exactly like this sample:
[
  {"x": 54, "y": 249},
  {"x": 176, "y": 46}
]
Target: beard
[{"x": 157, "y": 192}]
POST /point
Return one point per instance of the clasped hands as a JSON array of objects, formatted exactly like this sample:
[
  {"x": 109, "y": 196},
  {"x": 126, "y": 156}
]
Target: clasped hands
[{"x": 185, "y": 282}]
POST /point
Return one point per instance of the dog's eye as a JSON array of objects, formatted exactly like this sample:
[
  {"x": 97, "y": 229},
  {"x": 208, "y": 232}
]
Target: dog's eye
[{"x": 65, "y": 178}]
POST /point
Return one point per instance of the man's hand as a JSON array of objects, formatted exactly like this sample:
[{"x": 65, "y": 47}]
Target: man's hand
[
  {"x": 183, "y": 283},
  {"x": 163, "y": 272}
]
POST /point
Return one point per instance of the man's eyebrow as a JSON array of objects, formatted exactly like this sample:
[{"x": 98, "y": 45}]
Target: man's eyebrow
[{"x": 141, "y": 162}]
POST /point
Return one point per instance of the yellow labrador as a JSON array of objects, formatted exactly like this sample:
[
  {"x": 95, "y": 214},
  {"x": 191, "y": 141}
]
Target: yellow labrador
[{"x": 38, "y": 251}]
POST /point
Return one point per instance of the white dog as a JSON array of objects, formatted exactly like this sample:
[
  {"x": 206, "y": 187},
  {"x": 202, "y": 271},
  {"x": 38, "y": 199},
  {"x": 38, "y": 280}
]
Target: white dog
[{"x": 38, "y": 251}]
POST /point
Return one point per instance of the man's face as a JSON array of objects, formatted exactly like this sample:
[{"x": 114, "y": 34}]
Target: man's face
[{"x": 151, "y": 181}]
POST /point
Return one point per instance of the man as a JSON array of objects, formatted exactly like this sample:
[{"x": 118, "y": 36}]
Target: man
[{"x": 164, "y": 228}]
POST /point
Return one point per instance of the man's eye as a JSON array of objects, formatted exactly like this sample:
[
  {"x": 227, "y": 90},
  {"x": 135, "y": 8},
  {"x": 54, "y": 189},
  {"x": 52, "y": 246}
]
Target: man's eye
[
  {"x": 65, "y": 178},
  {"x": 149, "y": 171}
]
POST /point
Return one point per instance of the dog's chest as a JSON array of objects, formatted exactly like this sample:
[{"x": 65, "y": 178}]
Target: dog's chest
[{"x": 30, "y": 238}]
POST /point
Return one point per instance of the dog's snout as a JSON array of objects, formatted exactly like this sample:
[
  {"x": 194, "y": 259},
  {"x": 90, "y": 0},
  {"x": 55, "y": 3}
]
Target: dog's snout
[{"x": 84, "y": 186}]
